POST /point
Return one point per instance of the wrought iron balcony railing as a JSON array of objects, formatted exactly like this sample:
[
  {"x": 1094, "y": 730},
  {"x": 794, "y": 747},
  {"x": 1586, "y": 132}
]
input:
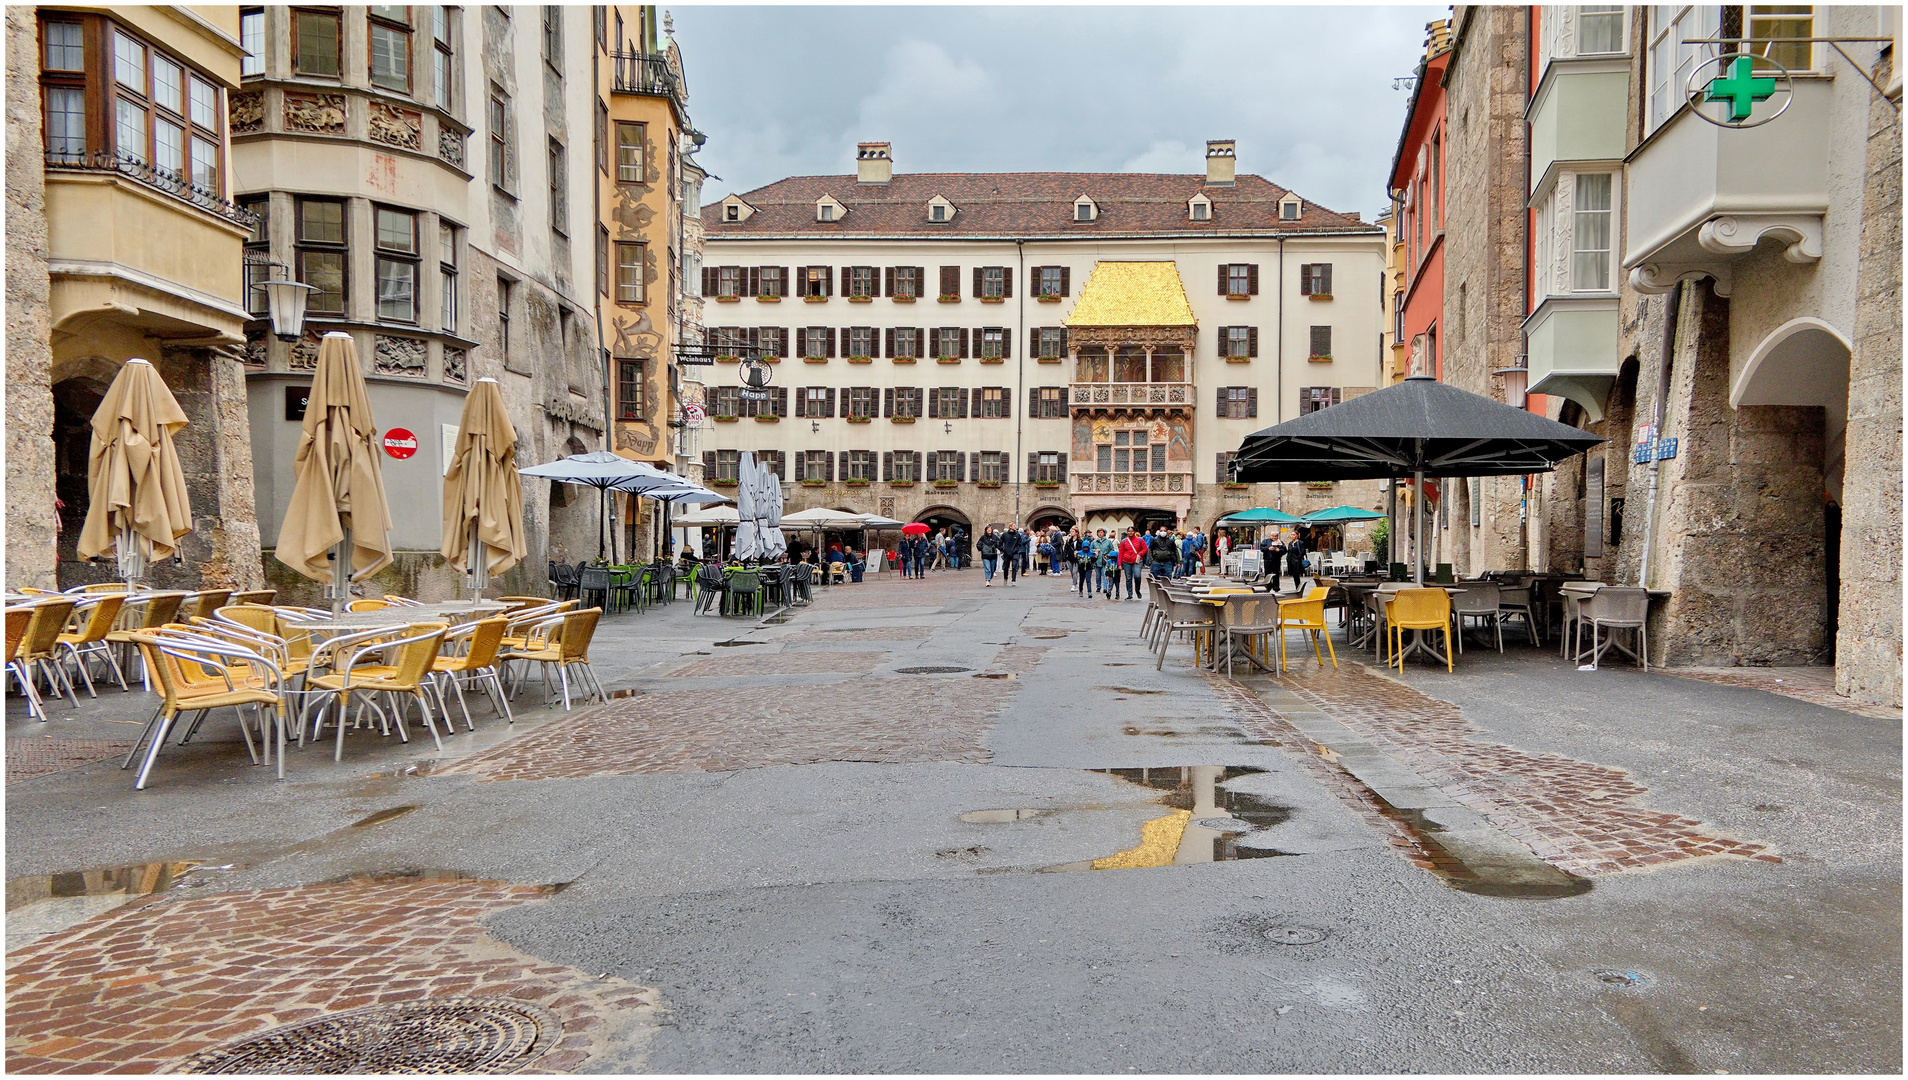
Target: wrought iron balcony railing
[
  {"x": 1132, "y": 393},
  {"x": 156, "y": 178},
  {"x": 645, "y": 73}
]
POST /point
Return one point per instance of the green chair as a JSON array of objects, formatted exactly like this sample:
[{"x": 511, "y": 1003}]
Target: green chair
[
  {"x": 1445, "y": 575},
  {"x": 745, "y": 592}
]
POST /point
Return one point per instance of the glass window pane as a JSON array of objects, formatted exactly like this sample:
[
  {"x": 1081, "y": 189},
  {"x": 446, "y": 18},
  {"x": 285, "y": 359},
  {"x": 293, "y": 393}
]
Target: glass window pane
[
  {"x": 324, "y": 270},
  {"x": 441, "y": 78},
  {"x": 168, "y": 144},
  {"x": 129, "y": 130},
  {"x": 1601, "y": 28},
  {"x": 1159, "y": 459},
  {"x": 397, "y": 230},
  {"x": 629, "y": 153},
  {"x": 447, "y": 245},
  {"x": 252, "y": 40},
  {"x": 321, "y": 222},
  {"x": 448, "y": 321},
  {"x": 205, "y": 165},
  {"x": 205, "y": 104},
  {"x": 317, "y": 43},
  {"x": 397, "y": 287},
  {"x": 167, "y": 78},
  {"x": 440, "y": 23},
  {"x": 66, "y": 122},
  {"x": 129, "y": 62},
  {"x": 390, "y": 57},
  {"x": 1591, "y": 229},
  {"x": 65, "y": 48}
]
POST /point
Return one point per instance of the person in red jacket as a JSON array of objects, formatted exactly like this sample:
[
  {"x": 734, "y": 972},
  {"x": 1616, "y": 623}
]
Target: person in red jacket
[{"x": 1133, "y": 555}]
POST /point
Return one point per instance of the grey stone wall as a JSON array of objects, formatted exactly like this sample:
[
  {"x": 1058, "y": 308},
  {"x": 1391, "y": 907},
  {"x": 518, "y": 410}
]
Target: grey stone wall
[
  {"x": 1484, "y": 236},
  {"x": 1739, "y": 530},
  {"x": 1868, "y": 638},
  {"x": 32, "y": 523}
]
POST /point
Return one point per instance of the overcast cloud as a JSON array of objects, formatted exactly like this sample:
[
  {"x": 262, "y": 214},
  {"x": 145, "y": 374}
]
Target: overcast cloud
[{"x": 1306, "y": 91}]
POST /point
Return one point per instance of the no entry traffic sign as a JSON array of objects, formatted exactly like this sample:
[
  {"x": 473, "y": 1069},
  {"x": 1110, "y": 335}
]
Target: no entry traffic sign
[{"x": 400, "y": 443}]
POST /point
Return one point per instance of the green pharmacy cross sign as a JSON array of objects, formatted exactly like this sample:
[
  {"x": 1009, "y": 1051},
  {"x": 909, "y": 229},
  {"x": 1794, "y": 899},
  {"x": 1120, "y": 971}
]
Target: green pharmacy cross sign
[{"x": 1740, "y": 88}]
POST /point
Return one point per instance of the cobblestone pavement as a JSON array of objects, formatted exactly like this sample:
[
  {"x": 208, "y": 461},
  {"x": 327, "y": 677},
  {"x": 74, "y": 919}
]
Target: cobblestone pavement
[
  {"x": 1815, "y": 685},
  {"x": 27, "y": 757},
  {"x": 757, "y": 663},
  {"x": 142, "y": 987},
  {"x": 1579, "y": 816}
]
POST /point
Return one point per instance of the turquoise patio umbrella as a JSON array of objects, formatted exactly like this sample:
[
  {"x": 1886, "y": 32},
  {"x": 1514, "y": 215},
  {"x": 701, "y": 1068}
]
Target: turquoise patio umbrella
[
  {"x": 1340, "y": 514},
  {"x": 1260, "y": 515}
]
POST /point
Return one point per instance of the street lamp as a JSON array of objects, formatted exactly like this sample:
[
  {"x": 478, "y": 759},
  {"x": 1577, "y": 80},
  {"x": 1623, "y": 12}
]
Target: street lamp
[
  {"x": 1516, "y": 383},
  {"x": 284, "y": 300}
]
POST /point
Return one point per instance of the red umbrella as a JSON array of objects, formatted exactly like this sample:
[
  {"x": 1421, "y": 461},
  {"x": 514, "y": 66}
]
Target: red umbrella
[{"x": 919, "y": 528}]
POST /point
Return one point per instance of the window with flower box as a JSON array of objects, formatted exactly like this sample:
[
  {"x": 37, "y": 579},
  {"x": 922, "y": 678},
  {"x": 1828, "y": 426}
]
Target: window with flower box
[
  {"x": 902, "y": 400},
  {"x": 817, "y": 341},
  {"x": 1314, "y": 398},
  {"x": 904, "y": 342},
  {"x": 991, "y": 468},
  {"x": 860, "y": 466},
  {"x": 901, "y": 466},
  {"x": 904, "y": 282},
  {"x": 815, "y": 281},
  {"x": 1047, "y": 467},
  {"x": 862, "y": 342},
  {"x": 1315, "y": 279},
  {"x": 947, "y": 403},
  {"x": 861, "y": 281},
  {"x": 1321, "y": 341},
  {"x": 994, "y": 343},
  {"x": 728, "y": 465},
  {"x": 815, "y": 402},
  {"x": 770, "y": 341},
  {"x": 1050, "y": 342},
  {"x": 993, "y": 282},
  {"x": 1239, "y": 279},
  {"x": 950, "y": 467},
  {"x": 725, "y": 401},
  {"x": 817, "y": 466},
  {"x": 1052, "y": 281},
  {"x": 862, "y": 402},
  {"x": 947, "y": 343},
  {"x": 1238, "y": 342},
  {"x": 1238, "y": 402},
  {"x": 1047, "y": 402},
  {"x": 993, "y": 403}
]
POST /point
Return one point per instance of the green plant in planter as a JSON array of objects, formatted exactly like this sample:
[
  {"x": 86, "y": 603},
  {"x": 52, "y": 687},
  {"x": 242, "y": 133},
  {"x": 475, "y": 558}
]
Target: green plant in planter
[{"x": 1381, "y": 541}]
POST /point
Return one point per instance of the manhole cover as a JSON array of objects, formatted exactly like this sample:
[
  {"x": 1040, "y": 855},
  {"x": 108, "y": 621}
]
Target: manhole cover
[
  {"x": 931, "y": 670},
  {"x": 1616, "y": 977},
  {"x": 1224, "y": 824},
  {"x": 1295, "y": 935},
  {"x": 447, "y": 1035}
]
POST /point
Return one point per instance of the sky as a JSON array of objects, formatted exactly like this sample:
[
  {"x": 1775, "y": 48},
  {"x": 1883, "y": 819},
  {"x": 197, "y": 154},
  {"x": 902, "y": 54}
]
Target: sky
[{"x": 1306, "y": 91}]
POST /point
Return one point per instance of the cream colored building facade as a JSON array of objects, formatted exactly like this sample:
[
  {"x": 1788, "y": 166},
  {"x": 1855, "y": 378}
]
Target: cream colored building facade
[{"x": 983, "y": 398}]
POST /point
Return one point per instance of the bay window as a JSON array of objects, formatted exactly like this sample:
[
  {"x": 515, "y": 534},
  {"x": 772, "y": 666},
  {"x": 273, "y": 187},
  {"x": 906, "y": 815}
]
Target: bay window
[
  {"x": 390, "y": 35},
  {"x": 1590, "y": 261}
]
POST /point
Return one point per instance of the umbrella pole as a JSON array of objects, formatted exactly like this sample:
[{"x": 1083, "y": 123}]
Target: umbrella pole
[
  {"x": 477, "y": 564},
  {"x": 341, "y": 574},
  {"x": 602, "y": 523},
  {"x": 1417, "y": 525},
  {"x": 132, "y": 565}
]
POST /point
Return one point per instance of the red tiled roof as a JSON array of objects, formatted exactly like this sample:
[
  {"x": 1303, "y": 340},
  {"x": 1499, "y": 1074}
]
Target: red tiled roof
[{"x": 1023, "y": 204}]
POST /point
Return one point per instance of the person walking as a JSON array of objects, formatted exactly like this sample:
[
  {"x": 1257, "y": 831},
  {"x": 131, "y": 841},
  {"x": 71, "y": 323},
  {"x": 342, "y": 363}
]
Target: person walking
[
  {"x": 1162, "y": 553},
  {"x": 1295, "y": 561},
  {"x": 1013, "y": 547},
  {"x": 1133, "y": 552},
  {"x": 1189, "y": 547},
  {"x": 989, "y": 547}
]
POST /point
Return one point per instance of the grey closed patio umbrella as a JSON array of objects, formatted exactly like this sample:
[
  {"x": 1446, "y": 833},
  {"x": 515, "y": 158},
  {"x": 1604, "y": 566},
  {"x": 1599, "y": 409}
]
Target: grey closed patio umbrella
[{"x": 1417, "y": 428}]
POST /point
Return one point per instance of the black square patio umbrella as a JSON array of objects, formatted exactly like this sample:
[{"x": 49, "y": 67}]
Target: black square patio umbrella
[{"x": 1417, "y": 428}]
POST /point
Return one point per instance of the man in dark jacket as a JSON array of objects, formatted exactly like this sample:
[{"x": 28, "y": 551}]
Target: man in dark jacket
[
  {"x": 989, "y": 548},
  {"x": 1164, "y": 553},
  {"x": 1013, "y": 545}
]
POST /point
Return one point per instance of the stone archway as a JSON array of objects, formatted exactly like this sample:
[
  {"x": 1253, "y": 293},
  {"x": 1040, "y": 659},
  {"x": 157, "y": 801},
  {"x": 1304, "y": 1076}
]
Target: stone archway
[
  {"x": 937, "y": 518},
  {"x": 75, "y": 400}
]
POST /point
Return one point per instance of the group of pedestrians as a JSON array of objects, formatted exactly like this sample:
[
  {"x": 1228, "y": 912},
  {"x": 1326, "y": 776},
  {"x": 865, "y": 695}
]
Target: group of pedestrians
[{"x": 916, "y": 555}]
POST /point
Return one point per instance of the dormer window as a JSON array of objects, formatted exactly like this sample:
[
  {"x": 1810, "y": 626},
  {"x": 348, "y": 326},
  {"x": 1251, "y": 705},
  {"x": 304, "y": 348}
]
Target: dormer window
[
  {"x": 827, "y": 209},
  {"x": 732, "y": 213},
  {"x": 1084, "y": 209},
  {"x": 940, "y": 210},
  {"x": 735, "y": 210},
  {"x": 827, "y": 212},
  {"x": 1289, "y": 208},
  {"x": 1199, "y": 208},
  {"x": 938, "y": 213}
]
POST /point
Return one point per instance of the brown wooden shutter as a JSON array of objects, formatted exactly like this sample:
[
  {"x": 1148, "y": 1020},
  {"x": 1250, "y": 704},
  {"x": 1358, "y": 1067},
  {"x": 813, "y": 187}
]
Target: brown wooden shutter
[
  {"x": 1033, "y": 463},
  {"x": 801, "y": 404},
  {"x": 801, "y": 282},
  {"x": 1327, "y": 278},
  {"x": 887, "y": 401},
  {"x": 1033, "y": 401},
  {"x": 1252, "y": 341},
  {"x": 781, "y": 401},
  {"x": 934, "y": 344},
  {"x": 963, "y": 342},
  {"x": 708, "y": 466},
  {"x": 890, "y": 336},
  {"x": 831, "y": 343},
  {"x": 1062, "y": 465},
  {"x": 887, "y": 279},
  {"x": 887, "y": 465},
  {"x": 1064, "y": 334},
  {"x": 755, "y": 281},
  {"x": 1321, "y": 341},
  {"x": 1222, "y": 278},
  {"x": 1252, "y": 402},
  {"x": 1252, "y": 279},
  {"x": 1066, "y": 281},
  {"x": 831, "y": 402},
  {"x": 1007, "y": 281},
  {"x": 950, "y": 281},
  {"x": 1305, "y": 280},
  {"x": 934, "y": 406},
  {"x": 1007, "y": 343},
  {"x": 920, "y": 280},
  {"x": 708, "y": 281},
  {"x": 781, "y": 342},
  {"x": 1006, "y": 404},
  {"x": 1219, "y": 469},
  {"x": 1222, "y": 402}
]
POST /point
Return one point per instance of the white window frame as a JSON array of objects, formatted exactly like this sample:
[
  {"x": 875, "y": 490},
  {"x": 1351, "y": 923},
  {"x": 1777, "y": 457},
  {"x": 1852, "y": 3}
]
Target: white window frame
[
  {"x": 1668, "y": 62},
  {"x": 1555, "y": 248},
  {"x": 1815, "y": 54}
]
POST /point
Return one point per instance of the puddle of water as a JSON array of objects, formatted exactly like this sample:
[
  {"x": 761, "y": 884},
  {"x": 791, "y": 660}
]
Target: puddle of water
[
  {"x": 1518, "y": 883},
  {"x": 382, "y": 816},
  {"x": 995, "y": 817},
  {"x": 732, "y": 643},
  {"x": 1117, "y": 665},
  {"x": 139, "y": 879},
  {"x": 1204, "y": 825},
  {"x": 1128, "y": 690},
  {"x": 931, "y": 670}
]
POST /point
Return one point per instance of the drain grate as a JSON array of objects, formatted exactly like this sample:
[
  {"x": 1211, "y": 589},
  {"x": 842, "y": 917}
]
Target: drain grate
[
  {"x": 1295, "y": 935},
  {"x": 931, "y": 670},
  {"x": 447, "y": 1035}
]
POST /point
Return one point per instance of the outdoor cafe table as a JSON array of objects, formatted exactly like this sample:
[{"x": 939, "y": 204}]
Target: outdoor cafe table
[
  {"x": 1227, "y": 603},
  {"x": 399, "y": 614},
  {"x": 1576, "y": 592}
]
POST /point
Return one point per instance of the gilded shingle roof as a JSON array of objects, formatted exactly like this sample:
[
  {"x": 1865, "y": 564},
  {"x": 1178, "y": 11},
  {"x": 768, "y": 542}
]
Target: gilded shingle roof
[
  {"x": 1133, "y": 294},
  {"x": 1024, "y": 204}
]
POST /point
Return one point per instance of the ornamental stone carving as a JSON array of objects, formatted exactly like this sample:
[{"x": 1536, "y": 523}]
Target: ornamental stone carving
[
  {"x": 456, "y": 365},
  {"x": 400, "y": 356},
  {"x": 320, "y": 113},
  {"x": 450, "y": 146},
  {"x": 397, "y": 127},
  {"x": 304, "y": 352},
  {"x": 247, "y": 112},
  {"x": 255, "y": 349}
]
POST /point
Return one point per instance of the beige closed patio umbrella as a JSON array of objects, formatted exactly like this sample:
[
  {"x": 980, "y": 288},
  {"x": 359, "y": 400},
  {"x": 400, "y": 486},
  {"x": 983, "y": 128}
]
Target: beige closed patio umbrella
[
  {"x": 338, "y": 491},
  {"x": 137, "y": 503},
  {"x": 483, "y": 497}
]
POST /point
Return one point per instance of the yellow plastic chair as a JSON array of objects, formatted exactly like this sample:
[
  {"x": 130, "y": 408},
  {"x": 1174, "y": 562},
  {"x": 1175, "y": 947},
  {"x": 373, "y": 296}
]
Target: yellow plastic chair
[
  {"x": 401, "y": 601},
  {"x": 484, "y": 639},
  {"x": 253, "y": 596},
  {"x": 562, "y": 642},
  {"x": 1420, "y": 610},
  {"x": 39, "y": 648},
  {"x": 1307, "y": 615},
  {"x": 17, "y": 620},
  {"x": 169, "y": 656},
  {"x": 204, "y": 603},
  {"x": 255, "y": 617},
  {"x": 414, "y": 656},
  {"x": 90, "y": 639},
  {"x": 147, "y": 612},
  {"x": 367, "y": 605}
]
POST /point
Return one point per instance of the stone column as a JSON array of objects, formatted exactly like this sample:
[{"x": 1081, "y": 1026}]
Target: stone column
[
  {"x": 32, "y": 524},
  {"x": 1868, "y": 627}
]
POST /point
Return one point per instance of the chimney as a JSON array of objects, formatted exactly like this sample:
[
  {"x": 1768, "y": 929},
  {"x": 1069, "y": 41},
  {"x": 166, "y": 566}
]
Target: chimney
[
  {"x": 873, "y": 165},
  {"x": 1220, "y": 160}
]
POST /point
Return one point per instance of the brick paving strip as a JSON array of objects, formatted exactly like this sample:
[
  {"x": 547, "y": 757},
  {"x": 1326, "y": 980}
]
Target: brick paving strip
[
  {"x": 891, "y": 720},
  {"x": 1578, "y": 816},
  {"x": 1815, "y": 685},
  {"x": 144, "y": 986},
  {"x": 30, "y": 757}
]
